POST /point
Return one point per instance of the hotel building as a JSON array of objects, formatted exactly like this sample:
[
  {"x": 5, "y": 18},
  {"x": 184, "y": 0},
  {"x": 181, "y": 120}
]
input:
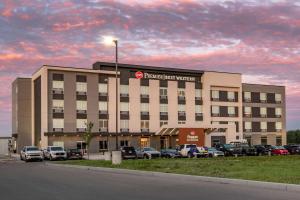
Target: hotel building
[{"x": 157, "y": 107}]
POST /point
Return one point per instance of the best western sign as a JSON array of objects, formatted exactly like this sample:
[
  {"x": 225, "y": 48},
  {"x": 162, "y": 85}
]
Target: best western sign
[{"x": 168, "y": 77}]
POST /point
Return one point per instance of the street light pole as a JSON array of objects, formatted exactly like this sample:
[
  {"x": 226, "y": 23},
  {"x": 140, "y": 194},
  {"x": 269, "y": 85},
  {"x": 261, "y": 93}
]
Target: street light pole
[{"x": 117, "y": 95}]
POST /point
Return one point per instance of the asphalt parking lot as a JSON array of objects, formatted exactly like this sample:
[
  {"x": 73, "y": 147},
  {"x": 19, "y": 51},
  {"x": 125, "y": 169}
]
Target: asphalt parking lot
[{"x": 36, "y": 180}]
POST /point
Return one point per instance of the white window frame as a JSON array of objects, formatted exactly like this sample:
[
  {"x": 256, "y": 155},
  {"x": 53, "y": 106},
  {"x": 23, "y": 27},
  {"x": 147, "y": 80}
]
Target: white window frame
[
  {"x": 81, "y": 123},
  {"x": 144, "y": 124},
  {"x": 124, "y": 106},
  {"x": 263, "y": 96},
  {"x": 198, "y": 109},
  {"x": 103, "y": 123},
  {"x": 163, "y": 91},
  {"x": 124, "y": 89},
  {"x": 144, "y": 107},
  {"x": 278, "y": 97},
  {"x": 215, "y": 110},
  {"x": 181, "y": 108},
  {"x": 81, "y": 105},
  {"x": 278, "y": 126},
  {"x": 215, "y": 94},
  {"x": 58, "y": 85},
  {"x": 163, "y": 108},
  {"x": 144, "y": 90},
  {"x": 58, "y": 123},
  {"x": 231, "y": 110},
  {"x": 263, "y": 125},
  {"x": 231, "y": 95},
  {"x": 181, "y": 92},
  {"x": 247, "y": 95},
  {"x": 278, "y": 111},
  {"x": 163, "y": 122},
  {"x": 198, "y": 93},
  {"x": 248, "y": 125},
  {"x": 58, "y": 103},
  {"x": 247, "y": 110},
  {"x": 263, "y": 111},
  {"x": 124, "y": 124},
  {"x": 103, "y": 105},
  {"x": 102, "y": 88}
]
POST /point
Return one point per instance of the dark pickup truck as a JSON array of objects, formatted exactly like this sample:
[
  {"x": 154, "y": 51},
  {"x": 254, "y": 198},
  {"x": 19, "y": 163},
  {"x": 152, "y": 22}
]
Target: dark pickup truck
[
  {"x": 246, "y": 149},
  {"x": 229, "y": 149}
]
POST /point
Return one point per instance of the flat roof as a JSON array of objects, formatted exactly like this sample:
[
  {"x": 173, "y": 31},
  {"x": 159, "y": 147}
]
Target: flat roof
[{"x": 254, "y": 84}]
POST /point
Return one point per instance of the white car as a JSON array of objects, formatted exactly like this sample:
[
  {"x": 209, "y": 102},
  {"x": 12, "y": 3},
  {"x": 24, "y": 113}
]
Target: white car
[
  {"x": 189, "y": 150},
  {"x": 31, "y": 153},
  {"x": 55, "y": 153}
]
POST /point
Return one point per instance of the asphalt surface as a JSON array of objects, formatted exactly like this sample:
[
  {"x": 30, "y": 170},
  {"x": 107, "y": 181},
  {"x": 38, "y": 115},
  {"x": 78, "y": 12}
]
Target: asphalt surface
[{"x": 35, "y": 180}]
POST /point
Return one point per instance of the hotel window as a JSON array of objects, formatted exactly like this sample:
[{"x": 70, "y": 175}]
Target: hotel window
[
  {"x": 102, "y": 106},
  {"x": 124, "y": 106},
  {"x": 102, "y": 144},
  {"x": 181, "y": 92},
  {"x": 58, "y": 85},
  {"x": 181, "y": 108},
  {"x": 144, "y": 107},
  {"x": 161, "y": 123},
  {"x": 124, "y": 143},
  {"x": 124, "y": 124},
  {"x": 263, "y": 140},
  {"x": 198, "y": 93},
  {"x": 278, "y": 140},
  {"x": 247, "y": 111},
  {"x": 81, "y": 87},
  {"x": 181, "y": 122},
  {"x": 215, "y": 94},
  {"x": 102, "y": 88},
  {"x": 81, "y": 123},
  {"x": 278, "y": 126},
  {"x": 144, "y": 90},
  {"x": 58, "y": 123},
  {"x": 124, "y": 89},
  {"x": 215, "y": 122},
  {"x": 278, "y": 98},
  {"x": 247, "y": 96},
  {"x": 58, "y": 104},
  {"x": 198, "y": 109},
  {"x": 216, "y": 110},
  {"x": 263, "y": 126},
  {"x": 278, "y": 112},
  {"x": 103, "y": 124},
  {"x": 263, "y": 112},
  {"x": 81, "y": 105},
  {"x": 248, "y": 126},
  {"x": 263, "y": 97},
  {"x": 144, "y": 124},
  {"x": 231, "y": 111},
  {"x": 231, "y": 96},
  {"x": 163, "y": 91},
  {"x": 163, "y": 108}
]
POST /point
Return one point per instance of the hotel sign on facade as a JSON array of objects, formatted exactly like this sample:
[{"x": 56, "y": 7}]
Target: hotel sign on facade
[{"x": 165, "y": 76}]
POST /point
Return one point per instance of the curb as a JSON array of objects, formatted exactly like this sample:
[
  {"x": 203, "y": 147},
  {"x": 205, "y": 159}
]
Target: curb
[{"x": 257, "y": 184}]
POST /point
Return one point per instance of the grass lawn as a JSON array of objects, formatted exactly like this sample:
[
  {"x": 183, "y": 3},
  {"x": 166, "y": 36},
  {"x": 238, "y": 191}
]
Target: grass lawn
[{"x": 283, "y": 169}]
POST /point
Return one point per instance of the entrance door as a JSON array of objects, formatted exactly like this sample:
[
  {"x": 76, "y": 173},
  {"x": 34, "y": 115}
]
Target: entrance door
[
  {"x": 81, "y": 145},
  {"x": 164, "y": 142},
  {"x": 145, "y": 142},
  {"x": 217, "y": 140}
]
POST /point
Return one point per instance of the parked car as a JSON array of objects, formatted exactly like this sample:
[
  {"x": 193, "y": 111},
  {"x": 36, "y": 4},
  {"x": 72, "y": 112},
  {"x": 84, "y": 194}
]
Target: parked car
[
  {"x": 268, "y": 147},
  {"x": 246, "y": 149},
  {"x": 128, "y": 153},
  {"x": 31, "y": 153},
  {"x": 260, "y": 150},
  {"x": 213, "y": 152},
  {"x": 147, "y": 153},
  {"x": 203, "y": 152},
  {"x": 189, "y": 150},
  {"x": 229, "y": 149},
  {"x": 169, "y": 153},
  {"x": 55, "y": 153},
  {"x": 74, "y": 154},
  {"x": 293, "y": 148},
  {"x": 279, "y": 150}
]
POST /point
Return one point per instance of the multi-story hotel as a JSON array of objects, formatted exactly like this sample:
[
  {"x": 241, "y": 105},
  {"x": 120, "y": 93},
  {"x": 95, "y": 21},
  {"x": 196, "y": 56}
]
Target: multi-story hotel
[{"x": 158, "y": 107}]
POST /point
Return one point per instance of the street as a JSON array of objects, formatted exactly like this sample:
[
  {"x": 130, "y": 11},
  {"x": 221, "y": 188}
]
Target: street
[{"x": 35, "y": 180}]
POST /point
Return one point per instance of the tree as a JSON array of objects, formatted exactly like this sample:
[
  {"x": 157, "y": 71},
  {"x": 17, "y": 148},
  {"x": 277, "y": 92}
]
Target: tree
[
  {"x": 293, "y": 137},
  {"x": 87, "y": 136}
]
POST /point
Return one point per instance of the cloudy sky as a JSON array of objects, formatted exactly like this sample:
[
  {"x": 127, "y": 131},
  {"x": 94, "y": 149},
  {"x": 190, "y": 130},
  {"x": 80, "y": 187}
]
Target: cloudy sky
[{"x": 259, "y": 38}]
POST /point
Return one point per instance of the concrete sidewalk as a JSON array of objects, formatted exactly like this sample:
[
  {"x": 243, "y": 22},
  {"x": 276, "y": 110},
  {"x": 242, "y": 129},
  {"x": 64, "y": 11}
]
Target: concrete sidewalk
[{"x": 250, "y": 183}]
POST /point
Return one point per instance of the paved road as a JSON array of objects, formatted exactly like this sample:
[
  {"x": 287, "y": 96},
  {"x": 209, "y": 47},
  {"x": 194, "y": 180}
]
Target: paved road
[{"x": 20, "y": 180}]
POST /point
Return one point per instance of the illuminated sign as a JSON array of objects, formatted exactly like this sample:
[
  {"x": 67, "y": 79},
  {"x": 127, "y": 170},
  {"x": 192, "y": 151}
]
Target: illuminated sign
[
  {"x": 164, "y": 76},
  {"x": 139, "y": 75},
  {"x": 192, "y": 137}
]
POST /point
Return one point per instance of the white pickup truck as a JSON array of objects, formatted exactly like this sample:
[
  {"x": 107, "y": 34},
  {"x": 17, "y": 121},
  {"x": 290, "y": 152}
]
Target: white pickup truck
[{"x": 189, "y": 150}]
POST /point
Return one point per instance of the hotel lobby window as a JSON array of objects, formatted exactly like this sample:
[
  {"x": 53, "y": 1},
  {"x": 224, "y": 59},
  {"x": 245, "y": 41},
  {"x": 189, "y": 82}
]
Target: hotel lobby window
[{"x": 263, "y": 140}]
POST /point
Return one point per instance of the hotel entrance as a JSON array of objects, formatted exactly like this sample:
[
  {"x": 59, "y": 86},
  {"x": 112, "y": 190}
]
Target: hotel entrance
[
  {"x": 164, "y": 142},
  {"x": 145, "y": 142}
]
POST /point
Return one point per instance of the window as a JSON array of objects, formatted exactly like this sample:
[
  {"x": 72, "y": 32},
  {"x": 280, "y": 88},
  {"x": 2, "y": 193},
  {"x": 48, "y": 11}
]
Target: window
[
  {"x": 231, "y": 110},
  {"x": 102, "y": 88},
  {"x": 161, "y": 123},
  {"x": 181, "y": 92},
  {"x": 215, "y": 122},
  {"x": 163, "y": 108},
  {"x": 124, "y": 143},
  {"x": 124, "y": 89},
  {"x": 263, "y": 140},
  {"x": 278, "y": 126},
  {"x": 198, "y": 93},
  {"x": 247, "y": 96},
  {"x": 81, "y": 105},
  {"x": 102, "y": 144},
  {"x": 144, "y": 124},
  {"x": 144, "y": 90},
  {"x": 247, "y": 110},
  {"x": 263, "y": 111},
  {"x": 58, "y": 143},
  {"x": 81, "y": 123},
  {"x": 102, "y": 105},
  {"x": 198, "y": 109},
  {"x": 58, "y": 123},
  {"x": 144, "y": 107},
  {"x": 124, "y": 106},
  {"x": 181, "y": 108},
  {"x": 278, "y": 112},
  {"x": 263, "y": 126},
  {"x": 278, "y": 97},
  {"x": 81, "y": 87},
  {"x": 58, "y": 103},
  {"x": 230, "y": 95},
  {"x": 58, "y": 85},
  {"x": 124, "y": 124},
  {"x": 215, "y": 94},
  {"x": 263, "y": 96},
  {"x": 181, "y": 122},
  {"x": 163, "y": 91},
  {"x": 103, "y": 123},
  {"x": 215, "y": 110},
  {"x": 248, "y": 125},
  {"x": 278, "y": 140}
]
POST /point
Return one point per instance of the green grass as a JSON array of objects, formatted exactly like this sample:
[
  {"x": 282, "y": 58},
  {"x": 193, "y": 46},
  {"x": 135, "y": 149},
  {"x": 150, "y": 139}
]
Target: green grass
[{"x": 282, "y": 169}]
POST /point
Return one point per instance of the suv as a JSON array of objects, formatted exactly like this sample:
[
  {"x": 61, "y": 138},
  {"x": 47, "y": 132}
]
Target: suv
[
  {"x": 74, "y": 154},
  {"x": 31, "y": 153},
  {"x": 147, "y": 153},
  {"x": 260, "y": 150},
  {"x": 246, "y": 149},
  {"x": 293, "y": 148},
  {"x": 128, "y": 152},
  {"x": 229, "y": 149},
  {"x": 189, "y": 150},
  {"x": 55, "y": 152}
]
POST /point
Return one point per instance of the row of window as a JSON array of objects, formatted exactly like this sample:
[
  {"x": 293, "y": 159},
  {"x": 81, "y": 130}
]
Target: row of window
[
  {"x": 262, "y": 96},
  {"x": 264, "y": 140},
  {"x": 229, "y": 110},
  {"x": 262, "y": 111},
  {"x": 263, "y": 126}
]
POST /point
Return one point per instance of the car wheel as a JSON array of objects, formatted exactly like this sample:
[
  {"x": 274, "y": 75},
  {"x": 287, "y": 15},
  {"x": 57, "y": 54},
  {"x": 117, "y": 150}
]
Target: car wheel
[
  {"x": 50, "y": 158},
  {"x": 146, "y": 157},
  {"x": 190, "y": 155},
  {"x": 21, "y": 157}
]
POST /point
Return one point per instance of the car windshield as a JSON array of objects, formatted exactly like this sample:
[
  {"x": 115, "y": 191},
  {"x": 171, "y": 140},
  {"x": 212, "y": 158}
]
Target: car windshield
[
  {"x": 212, "y": 149},
  {"x": 149, "y": 149},
  {"x": 228, "y": 145},
  {"x": 191, "y": 146},
  {"x": 170, "y": 150},
  {"x": 57, "y": 149},
  {"x": 32, "y": 149},
  {"x": 129, "y": 148}
]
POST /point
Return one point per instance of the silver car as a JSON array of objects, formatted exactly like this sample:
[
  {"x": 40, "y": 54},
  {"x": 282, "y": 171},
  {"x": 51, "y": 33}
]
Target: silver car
[
  {"x": 147, "y": 153},
  {"x": 55, "y": 153},
  {"x": 213, "y": 152},
  {"x": 31, "y": 153}
]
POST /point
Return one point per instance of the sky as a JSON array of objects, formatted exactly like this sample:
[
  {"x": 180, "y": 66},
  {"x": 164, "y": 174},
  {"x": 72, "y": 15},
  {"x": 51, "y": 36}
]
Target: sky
[{"x": 258, "y": 38}]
